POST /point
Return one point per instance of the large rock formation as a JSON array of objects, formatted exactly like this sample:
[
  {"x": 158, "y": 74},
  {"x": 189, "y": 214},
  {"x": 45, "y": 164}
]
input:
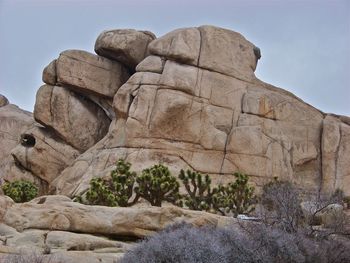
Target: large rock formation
[
  {"x": 194, "y": 102},
  {"x": 189, "y": 99}
]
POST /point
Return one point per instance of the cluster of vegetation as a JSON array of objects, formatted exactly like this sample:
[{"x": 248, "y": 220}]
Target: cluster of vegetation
[
  {"x": 20, "y": 191},
  {"x": 284, "y": 234},
  {"x": 32, "y": 257},
  {"x": 256, "y": 243},
  {"x": 157, "y": 185}
]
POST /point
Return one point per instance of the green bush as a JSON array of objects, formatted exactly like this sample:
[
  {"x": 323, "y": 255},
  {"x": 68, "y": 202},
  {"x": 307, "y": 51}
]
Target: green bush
[
  {"x": 198, "y": 188},
  {"x": 156, "y": 185},
  {"x": 20, "y": 191},
  {"x": 116, "y": 191},
  {"x": 236, "y": 197}
]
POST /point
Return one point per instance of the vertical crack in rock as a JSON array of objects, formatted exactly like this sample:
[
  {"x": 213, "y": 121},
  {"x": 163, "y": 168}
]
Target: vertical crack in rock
[
  {"x": 336, "y": 184},
  {"x": 226, "y": 142},
  {"x": 200, "y": 45}
]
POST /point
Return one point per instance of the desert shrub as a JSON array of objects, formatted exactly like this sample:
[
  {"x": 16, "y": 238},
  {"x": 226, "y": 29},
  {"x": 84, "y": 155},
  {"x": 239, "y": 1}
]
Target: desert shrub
[
  {"x": 260, "y": 244},
  {"x": 115, "y": 191},
  {"x": 156, "y": 184},
  {"x": 282, "y": 200},
  {"x": 20, "y": 191},
  {"x": 236, "y": 197},
  {"x": 251, "y": 243},
  {"x": 183, "y": 243},
  {"x": 29, "y": 258},
  {"x": 199, "y": 193}
]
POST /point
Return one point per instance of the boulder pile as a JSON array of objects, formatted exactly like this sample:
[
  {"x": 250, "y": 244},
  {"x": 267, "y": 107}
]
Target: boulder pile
[{"x": 189, "y": 100}]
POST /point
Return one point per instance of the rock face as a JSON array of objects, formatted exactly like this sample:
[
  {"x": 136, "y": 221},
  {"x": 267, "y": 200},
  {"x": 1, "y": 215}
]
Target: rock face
[
  {"x": 66, "y": 112},
  {"x": 127, "y": 46},
  {"x": 13, "y": 122},
  {"x": 194, "y": 102},
  {"x": 68, "y": 230}
]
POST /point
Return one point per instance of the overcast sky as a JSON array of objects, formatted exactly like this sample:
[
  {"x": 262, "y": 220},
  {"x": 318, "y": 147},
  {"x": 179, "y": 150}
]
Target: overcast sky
[{"x": 305, "y": 45}]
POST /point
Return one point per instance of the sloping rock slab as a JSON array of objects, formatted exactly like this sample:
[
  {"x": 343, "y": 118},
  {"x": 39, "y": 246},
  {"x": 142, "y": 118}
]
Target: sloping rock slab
[
  {"x": 60, "y": 213},
  {"x": 90, "y": 74},
  {"x": 127, "y": 46}
]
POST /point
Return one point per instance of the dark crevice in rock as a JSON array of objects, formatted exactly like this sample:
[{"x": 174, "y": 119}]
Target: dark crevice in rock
[{"x": 321, "y": 186}]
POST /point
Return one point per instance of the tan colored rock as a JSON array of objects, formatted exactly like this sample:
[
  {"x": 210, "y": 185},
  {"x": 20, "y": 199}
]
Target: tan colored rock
[
  {"x": 209, "y": 47},
  {"x": 49, "y": 73},
  {"x": 5, "y": 203},
  {"x": 335, "y": 155},
  {"x": 182, "y": 45},
  {"x": 82, "y": 242},
  {"x": 127, "y": 46},
  {"x": 151, "y": 64},
  {"x": 3, "y": 101},
  {"x": 195, "y": 103},
  {"x": 227, "y": 52},
  {"x": 13, "y": 122},
  {"x": 28, "y": 239},
  {"x": 192, "y": 118},
  {"x": 90, "y": 74},
  {"x": 77, "y": 120},
  {"x": 43, "y": 154},
  {"x": 116, "y": 221}
]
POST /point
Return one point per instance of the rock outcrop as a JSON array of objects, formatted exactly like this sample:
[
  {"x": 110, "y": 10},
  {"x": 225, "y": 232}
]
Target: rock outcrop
[
  {"x": 193, "y": 102},
  {"x": 13, "y": 123},
  {"x": 189, "y": 99},
  {"x": 71, "y": 231},
  {"x": 127, "y": 46}
]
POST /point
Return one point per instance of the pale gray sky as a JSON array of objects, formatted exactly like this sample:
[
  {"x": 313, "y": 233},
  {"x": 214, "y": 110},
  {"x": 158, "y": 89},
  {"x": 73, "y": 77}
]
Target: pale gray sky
[{"x": 305, "y": 45}]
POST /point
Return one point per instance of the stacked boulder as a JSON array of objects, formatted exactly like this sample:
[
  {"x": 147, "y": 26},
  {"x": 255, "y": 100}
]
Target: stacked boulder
[
  {"x": 189, "y": 99},
  {"x": 194, "y": 102},
  {"x": 74, "y": 107}
]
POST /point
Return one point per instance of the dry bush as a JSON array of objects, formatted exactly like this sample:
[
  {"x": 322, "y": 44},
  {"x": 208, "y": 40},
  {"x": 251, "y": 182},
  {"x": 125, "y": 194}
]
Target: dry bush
[
  {"x": 30, "y": 258},
  {"x": 252, "y": 243}
]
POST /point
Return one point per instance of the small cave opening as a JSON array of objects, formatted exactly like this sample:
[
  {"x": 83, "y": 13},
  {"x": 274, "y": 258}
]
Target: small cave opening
[{"x": 27, "y": 140}]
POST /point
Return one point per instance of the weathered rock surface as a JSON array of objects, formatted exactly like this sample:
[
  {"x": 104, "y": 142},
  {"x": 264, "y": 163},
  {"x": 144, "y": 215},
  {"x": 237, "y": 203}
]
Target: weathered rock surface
[
  {"x": 127, "y": 46},
  {"x": 49, "y": 73},
  {"x": 195, "y": 103},
  {"x": 62, "y": 214},
  {"x": 212, "y": 48},
  {"x": 90, "y": 74},
  {"x": 58, "y": 226},
  {"x": 43, "y": 154},
  {"x": 77, "y": 120},
  {"x": 335, "y": 155},
  {"x": 13, "y": 122}
]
